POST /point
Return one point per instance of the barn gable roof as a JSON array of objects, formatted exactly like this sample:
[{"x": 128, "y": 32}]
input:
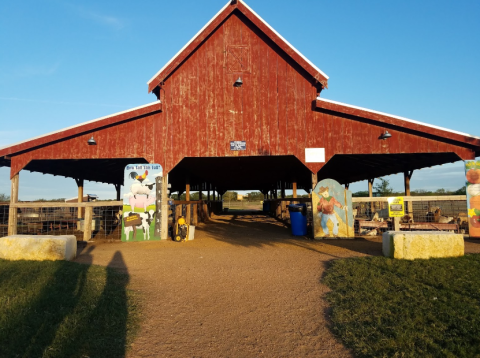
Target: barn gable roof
[
  {"x": 397, "y": 121},
  {"x": 81, "y": 128},
  {"x": 212, "y": 25}
]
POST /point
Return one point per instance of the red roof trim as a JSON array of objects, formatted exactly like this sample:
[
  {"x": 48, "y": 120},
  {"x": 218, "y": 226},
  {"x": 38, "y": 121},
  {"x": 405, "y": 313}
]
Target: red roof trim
[
  {"x": 386, "y": 119},
  {"x": 168, "y": 70},
  {"x": 81, "y": 128}
]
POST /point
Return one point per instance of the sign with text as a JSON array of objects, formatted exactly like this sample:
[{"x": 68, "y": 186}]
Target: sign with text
[
  {"x": 472, "y": 172},
  {"x": 396, "y": 207},
  {"x": 238, "y": 145},
  {"x": 142, "y": 202}
]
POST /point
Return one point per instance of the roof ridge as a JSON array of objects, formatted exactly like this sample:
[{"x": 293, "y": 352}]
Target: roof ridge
[{"x": 238, "y": 4}]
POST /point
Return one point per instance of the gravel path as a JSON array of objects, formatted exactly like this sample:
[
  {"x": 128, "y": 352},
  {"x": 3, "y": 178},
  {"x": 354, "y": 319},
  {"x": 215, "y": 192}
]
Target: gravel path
[{"x": 243, "y": 288}]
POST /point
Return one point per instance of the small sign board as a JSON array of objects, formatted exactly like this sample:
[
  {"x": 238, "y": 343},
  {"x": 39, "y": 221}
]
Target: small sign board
[
  {"x": 238, "y": 145},
  {"x": 396, "y": 207},
  {"x": 314, "y": 155}
]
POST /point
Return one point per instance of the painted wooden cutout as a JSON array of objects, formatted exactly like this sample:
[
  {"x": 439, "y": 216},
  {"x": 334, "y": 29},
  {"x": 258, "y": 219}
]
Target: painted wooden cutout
[
  {"x": 332, "y": 211},
  {"x": 141, "y": 209}
]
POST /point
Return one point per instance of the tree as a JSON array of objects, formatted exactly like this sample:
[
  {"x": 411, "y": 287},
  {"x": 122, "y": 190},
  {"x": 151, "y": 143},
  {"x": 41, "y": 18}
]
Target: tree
[
  {"x": 4, "y": 197},
  {"x": 363, "y": 193},
  {"x": 230, "y": 196},
  {"x": 255, "y": 196},
  {"x": 383, "y": 188}
]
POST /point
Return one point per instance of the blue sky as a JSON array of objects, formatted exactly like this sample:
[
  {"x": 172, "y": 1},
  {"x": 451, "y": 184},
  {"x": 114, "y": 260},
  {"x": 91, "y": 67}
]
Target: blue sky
[{"x": 66, "y": 62}]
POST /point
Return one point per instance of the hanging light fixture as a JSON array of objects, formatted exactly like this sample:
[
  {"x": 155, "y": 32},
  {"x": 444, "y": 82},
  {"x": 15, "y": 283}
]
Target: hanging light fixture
[
  {"x": 385, "y": 135},
  {"x": 238, "y": 83},
  {"x": 92, "y": 141}
]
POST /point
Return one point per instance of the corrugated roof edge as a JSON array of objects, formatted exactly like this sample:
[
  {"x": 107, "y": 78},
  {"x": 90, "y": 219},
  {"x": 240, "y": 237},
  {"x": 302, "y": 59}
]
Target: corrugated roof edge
[
  {"x": 79, "y": 125},
  {"x": 396, "y": 117},
  {"x": 213, "y": 18}
]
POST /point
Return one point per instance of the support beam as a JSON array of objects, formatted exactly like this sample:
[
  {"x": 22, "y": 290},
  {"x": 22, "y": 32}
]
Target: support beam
[
  {"x": 87, "y": 223},
  {"x": 12, "y": 212},
  {"x": 118, "y": 188},
  {"x": 347, "y": 185},
  {"x": 294, "y": 187},
  {"x": 80, "y": 200},
  {"x": 314, "y": 180},
  {"x": 158, "y": 206},
  {"x": 164, "y": 209},
  {"x": 187, "y": 198},
  {"x": 407, "y": 175},
  {"x": 370, "y": 194}
]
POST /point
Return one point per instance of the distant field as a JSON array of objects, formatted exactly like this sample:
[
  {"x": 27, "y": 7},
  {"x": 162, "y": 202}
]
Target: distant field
[
  {"x": 138, "y": 210},
  {"x": 243, "y": 205}
]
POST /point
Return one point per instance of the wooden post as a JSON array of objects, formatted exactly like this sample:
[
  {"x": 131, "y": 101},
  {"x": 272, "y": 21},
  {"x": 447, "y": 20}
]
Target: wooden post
[
  {"x": 407, "y": 175},
  {"x": 188, "y": 212},
  {"x": 370, "y": 194},
  {"x": 206, "y": 215},
  {"x": 178, "y": 211},
  {"x": 164, "y": 208},
  {"x": 158, "y": 208},
  {"x": 314, "y": 180},
  {"x": 195, "y": 214},
  {"x": 79, "y": 200},
  {"x": 12, "y": 212},
  {"x": 294, "y": 187},
  {"x": 118, "y": 188},
  {"x": 347, "y": 185},
  {"x": 396, "y": 224},
  {"x": 87, "y": 223}
]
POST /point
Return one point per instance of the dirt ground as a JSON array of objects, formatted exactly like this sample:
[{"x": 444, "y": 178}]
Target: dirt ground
[{"x": 245, "y": 287}]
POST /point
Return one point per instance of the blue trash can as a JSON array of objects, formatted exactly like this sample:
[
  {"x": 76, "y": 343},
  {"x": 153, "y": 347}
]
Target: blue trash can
[
  {"x": 266, "y": 207},
  {"x": 298, "y": 219}
]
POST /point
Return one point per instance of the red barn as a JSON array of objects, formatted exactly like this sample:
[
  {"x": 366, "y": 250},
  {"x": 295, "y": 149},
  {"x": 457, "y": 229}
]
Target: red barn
[{"x": 239, "y": 80}]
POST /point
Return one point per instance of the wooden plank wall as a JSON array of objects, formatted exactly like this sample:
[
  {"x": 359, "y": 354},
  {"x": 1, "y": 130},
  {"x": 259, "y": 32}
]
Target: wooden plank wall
[{"x": 203, "y": 112}]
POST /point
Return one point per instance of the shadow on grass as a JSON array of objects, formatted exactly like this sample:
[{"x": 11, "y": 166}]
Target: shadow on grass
[{"x": 66, "y": 310}]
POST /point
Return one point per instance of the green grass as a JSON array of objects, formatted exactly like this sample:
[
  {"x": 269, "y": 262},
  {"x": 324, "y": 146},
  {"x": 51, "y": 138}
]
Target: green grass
[
  {"x": 64, "y": 309},
  {"x": 382, "y": 307}
]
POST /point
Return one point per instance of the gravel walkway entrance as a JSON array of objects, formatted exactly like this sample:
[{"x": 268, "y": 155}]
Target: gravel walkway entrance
[{"x": 243, "y": 288}]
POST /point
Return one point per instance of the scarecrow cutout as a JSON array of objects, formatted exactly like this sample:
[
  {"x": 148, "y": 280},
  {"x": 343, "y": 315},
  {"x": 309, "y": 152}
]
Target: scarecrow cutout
[{"x": 332, "y": 211}]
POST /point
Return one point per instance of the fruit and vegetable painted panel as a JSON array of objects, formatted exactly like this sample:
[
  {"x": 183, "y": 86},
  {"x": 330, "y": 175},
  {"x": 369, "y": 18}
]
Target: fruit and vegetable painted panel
[
  {"x": 472, "y": 170},
  {"x": 332, "y": 210},
  {"x": 141, "y": 209}
]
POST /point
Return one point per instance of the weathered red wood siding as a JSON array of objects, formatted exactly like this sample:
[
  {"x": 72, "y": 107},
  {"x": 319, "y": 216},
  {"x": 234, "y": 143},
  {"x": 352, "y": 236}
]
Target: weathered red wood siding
[{"x": 202, "y": 112}]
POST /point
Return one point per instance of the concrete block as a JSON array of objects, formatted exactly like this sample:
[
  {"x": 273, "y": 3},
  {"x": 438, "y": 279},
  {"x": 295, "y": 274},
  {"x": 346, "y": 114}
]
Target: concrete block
[
  {"x": 412, "y": 245},
  {"x": 38, "y": 247}
]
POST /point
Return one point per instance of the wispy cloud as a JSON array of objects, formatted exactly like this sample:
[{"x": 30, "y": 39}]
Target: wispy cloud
[
  {"x": 113, "y": 22},
  {"x": 59, "y": 102},
  {"x": 36, "y": 70}
]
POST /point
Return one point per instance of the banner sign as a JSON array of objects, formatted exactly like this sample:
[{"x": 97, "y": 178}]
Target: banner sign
[
  {"x": 472, "y": 173},
  {"x": 396, "y": 207},
  {"x": 238, "y": 145},
  {"x": 142, "y": 202},
  {"x": 332, "y": 210}
]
